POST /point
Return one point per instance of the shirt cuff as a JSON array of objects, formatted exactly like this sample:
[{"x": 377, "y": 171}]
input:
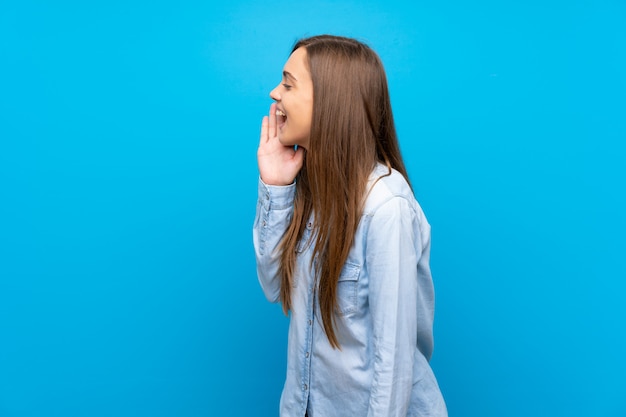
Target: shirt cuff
[{"x": 276, "y": 197}]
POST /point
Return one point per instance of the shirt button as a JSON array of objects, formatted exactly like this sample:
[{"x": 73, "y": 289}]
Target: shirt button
[
  {"x": 305, "y": 387},
  {"x": 264, "y": 223},
  {"x": 310, "y": 322},
  {"x": 267, "y": 196},
  {"x": 309, "y": 225},
  {"x": 306, "y": 354}
]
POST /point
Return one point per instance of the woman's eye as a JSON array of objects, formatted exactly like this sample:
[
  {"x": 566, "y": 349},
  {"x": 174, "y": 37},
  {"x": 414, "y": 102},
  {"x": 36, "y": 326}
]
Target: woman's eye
[{"x": 287, "y": 86}]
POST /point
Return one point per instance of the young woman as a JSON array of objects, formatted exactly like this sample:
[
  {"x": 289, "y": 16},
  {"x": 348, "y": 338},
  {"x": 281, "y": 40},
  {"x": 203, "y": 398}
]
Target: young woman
[{"x": 341, "y": 241}]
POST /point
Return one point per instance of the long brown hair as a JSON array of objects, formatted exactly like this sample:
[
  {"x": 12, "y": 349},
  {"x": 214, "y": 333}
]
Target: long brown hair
[{"x": 352, "y": 129}]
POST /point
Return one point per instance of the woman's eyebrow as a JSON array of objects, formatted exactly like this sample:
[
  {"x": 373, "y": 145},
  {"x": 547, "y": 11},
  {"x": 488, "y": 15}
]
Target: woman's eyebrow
[{"x": 287, "y": 74}]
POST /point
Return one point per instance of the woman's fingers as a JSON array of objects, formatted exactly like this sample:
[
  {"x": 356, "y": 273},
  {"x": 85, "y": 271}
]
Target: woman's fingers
[
  {"x": 272, "y": 119},
  {"x": 264, "y": 130},
  {"x": 268, "y": 125}
]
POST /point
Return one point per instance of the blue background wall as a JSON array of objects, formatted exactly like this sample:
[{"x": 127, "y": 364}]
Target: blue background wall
[{"x": 128, "y": 134}]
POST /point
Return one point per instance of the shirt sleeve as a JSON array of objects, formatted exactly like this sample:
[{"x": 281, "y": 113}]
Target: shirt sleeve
[
  {"x": 273, "y": 213},
  {"x": 401, "y": 302}
]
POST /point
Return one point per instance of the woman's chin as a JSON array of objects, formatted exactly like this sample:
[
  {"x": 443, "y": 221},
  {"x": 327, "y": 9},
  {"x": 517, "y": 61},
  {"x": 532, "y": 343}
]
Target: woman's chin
[
  {"x": 285, "y": 142},
  {"x": 292, "y": 142}
]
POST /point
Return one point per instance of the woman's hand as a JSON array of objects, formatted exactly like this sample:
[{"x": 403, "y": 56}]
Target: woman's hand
[{"x": 278, "y": 164}]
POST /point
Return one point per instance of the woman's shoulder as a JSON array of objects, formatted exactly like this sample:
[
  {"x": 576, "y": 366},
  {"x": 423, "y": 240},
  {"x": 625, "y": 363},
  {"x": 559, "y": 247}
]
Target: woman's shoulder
[{"x": 385, "y": 185}]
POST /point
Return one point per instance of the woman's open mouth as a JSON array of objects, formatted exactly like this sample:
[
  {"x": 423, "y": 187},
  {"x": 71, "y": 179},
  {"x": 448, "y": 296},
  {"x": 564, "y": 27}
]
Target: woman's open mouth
[{"x": 281, "y": 118}]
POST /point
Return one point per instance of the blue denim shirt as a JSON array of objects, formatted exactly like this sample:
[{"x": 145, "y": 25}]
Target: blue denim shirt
[{"x": 385, "y": 310}]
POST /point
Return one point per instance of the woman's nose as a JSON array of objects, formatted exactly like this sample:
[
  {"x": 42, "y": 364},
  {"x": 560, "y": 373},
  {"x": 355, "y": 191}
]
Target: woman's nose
[{"x": 274, "y": 94}]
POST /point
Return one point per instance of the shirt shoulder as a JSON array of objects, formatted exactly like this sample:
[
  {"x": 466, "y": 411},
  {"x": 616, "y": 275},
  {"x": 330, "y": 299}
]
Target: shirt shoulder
[{"x": 384, "y": 186}]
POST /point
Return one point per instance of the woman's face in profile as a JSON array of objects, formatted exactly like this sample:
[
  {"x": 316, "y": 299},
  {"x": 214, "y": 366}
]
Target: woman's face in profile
[{"x": 294, "y": 101}]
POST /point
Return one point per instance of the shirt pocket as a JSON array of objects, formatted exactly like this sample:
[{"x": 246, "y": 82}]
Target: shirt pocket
[{"x": 347, "y": 287}]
